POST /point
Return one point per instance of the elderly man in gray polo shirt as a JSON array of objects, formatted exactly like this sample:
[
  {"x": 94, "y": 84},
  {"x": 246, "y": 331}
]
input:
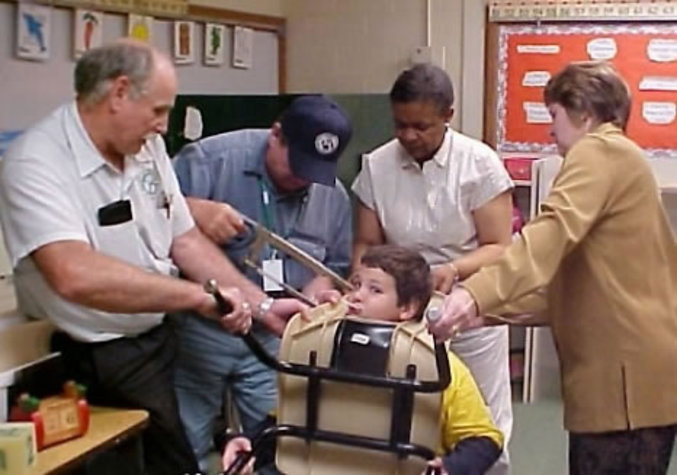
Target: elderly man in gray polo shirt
[
  {"x": 97, "y": 230},
  {"x": 285, "y": 178}
]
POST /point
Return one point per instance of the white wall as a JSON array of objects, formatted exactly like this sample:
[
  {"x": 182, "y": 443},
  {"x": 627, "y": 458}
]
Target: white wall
[
  {"x": 333, "y": 46},
  {"x": 358, "y": 46},
  {"x": 350, "y": 46},
  {"x": 30, "y": 89},
  {"x": 261, "y": 7}
]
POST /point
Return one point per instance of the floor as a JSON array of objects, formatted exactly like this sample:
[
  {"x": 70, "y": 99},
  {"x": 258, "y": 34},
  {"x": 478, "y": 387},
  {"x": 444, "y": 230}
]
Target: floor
[{"x": 539, "y": 443}]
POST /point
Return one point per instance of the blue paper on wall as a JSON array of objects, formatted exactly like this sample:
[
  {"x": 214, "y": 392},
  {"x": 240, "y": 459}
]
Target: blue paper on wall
[{"x": 6, "y": 136}]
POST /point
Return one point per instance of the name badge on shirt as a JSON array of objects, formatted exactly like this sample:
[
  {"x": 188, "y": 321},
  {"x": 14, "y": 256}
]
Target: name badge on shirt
[{"x": 272, "y": 274}]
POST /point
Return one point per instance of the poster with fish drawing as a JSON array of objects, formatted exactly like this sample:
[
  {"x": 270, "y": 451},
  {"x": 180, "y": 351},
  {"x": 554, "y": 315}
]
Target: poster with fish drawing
[
  {"x": 88, "y": 31},
  {"x": 33, "y": 31},
  {"x": 184, "y": 42},
  {"x": 215, "y": 36},
  {"x": 140, "y": 27}
]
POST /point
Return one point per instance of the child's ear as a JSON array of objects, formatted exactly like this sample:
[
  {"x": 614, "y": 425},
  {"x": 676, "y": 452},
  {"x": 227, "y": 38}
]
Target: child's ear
[{"x": 409, "y": 311}]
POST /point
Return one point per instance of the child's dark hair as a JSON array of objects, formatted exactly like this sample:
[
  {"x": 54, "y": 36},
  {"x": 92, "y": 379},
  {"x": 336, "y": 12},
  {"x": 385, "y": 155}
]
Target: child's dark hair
[{"x": 411, "y": 272}]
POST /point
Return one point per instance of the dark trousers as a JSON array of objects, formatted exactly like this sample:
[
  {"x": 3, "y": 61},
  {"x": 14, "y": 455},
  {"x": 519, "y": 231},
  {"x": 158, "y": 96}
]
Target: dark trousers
[
  {"x": 136, "y": 373},
  {"x": 632, "y": 452}
]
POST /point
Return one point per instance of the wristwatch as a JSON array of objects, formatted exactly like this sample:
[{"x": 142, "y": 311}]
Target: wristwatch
[{"x": 263, "y": 308}]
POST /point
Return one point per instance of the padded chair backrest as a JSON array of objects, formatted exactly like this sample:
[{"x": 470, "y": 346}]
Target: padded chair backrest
[{"x": 351, "y": 408}]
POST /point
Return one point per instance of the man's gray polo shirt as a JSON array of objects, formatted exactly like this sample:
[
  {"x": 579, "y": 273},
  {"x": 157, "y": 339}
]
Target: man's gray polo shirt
[{"x": 230, "y": 168}]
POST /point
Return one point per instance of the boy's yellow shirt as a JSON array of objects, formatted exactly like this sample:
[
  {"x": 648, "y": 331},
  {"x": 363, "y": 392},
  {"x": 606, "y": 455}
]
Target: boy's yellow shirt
[{"x": 464, "y": 413}]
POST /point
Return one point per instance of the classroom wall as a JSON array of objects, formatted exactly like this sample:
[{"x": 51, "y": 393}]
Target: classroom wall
[
  {"x": 261, "y": 7},
  {"x": 333, "y": 46},
  {"x": 351, "y": 46},
  {"x": 357, "y": 46},
  {"x": 49, "y": 83}
]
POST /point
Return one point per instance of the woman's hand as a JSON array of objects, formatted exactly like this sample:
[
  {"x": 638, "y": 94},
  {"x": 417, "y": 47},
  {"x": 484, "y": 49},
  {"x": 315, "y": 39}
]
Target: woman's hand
[
  {"x": 444, "y": 277},
  {"x": 459, "y": 313}
]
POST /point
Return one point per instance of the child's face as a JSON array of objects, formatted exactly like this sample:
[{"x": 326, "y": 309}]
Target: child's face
[{"x": 375, "y": 296}]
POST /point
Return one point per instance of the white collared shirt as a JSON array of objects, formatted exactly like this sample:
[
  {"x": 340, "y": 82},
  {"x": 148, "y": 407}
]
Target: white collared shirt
[
  {"x": 53, "y": 182},
  {"x": 429, "y": 208}
]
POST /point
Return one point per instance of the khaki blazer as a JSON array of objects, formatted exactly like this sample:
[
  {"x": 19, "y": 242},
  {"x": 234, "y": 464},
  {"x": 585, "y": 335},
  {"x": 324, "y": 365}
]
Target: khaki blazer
[{"x": 603, "y": 248}]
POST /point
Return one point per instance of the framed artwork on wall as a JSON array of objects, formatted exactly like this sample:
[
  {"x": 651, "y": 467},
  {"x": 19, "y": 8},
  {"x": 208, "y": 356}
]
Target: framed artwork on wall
[
  {"x": 33, "y": 31},
  {"x": 215, "y": 37},
  {"x": 140, "y": 27},
  {"x": 184, "y": 42},
  {"x": 88, "y": 31},
  {"x": 243, "y": 47}
]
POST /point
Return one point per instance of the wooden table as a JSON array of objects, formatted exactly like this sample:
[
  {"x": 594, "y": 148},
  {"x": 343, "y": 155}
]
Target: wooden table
[{"x": 108, "y": 427}]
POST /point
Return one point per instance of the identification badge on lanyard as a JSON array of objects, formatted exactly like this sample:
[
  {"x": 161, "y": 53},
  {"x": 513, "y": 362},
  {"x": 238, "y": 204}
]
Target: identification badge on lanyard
[{"x": 273, "y": 273}]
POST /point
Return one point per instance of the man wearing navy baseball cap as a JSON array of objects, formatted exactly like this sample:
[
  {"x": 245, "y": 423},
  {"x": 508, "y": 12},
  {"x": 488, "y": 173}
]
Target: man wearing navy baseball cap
[
  {"x": 316, "y": 131},
  {"x": 284, "y": 178}
]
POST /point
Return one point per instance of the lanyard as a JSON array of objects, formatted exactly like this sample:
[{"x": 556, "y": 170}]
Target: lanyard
[
  {"x": 266, "y": 207},
  {"x": 270, "y": 218}
]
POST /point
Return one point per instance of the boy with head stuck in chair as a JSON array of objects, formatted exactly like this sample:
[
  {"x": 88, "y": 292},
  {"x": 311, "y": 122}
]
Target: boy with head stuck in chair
[{"x": 393, "y": 283}]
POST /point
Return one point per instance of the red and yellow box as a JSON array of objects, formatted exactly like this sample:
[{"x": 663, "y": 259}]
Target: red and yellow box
[{"x": 57, "y": 418}]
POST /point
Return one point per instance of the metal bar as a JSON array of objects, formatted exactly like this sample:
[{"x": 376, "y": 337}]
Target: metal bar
[
  {"x": 287, "y": 288},
  {"x": 292, "y": 251},
  {"x": 402, "y": 411},
  {"x": 369, "y": 443},
  {"x": 332, "y": 374},
  {"x": 356, "y": 378},
  {"x": 211, "y": 287},
  {"x": 312, "y": 398}
]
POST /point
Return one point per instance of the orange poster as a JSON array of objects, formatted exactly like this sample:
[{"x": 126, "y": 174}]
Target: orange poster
[{"x": 644, "y": 55}]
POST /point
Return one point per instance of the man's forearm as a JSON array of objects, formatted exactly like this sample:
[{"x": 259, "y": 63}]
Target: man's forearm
[
  {"x": 199, "y": 260},
  {"x": 84, "y": 276}
]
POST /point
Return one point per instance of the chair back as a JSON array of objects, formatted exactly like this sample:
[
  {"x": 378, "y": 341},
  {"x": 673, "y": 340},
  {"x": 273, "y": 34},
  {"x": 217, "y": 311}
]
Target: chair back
[{"x": 359, "y": 346}]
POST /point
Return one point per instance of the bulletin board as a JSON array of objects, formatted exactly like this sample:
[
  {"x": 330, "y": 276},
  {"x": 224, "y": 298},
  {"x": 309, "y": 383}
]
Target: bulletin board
[{"x": 527, "y": 55}]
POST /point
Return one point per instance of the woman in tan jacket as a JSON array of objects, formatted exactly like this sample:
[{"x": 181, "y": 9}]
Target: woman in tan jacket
[{"x": 603, "y": 251}]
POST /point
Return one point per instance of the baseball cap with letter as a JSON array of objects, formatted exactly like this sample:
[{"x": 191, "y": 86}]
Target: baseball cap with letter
[{"x": 316, "y": 130}]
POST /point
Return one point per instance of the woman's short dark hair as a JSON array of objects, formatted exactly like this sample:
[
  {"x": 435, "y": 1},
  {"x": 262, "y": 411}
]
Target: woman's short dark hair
[
  {"x": 424, "y": 83},
  {"x": 591, "y": 87},
  {"x": 413, "y": 280}
]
